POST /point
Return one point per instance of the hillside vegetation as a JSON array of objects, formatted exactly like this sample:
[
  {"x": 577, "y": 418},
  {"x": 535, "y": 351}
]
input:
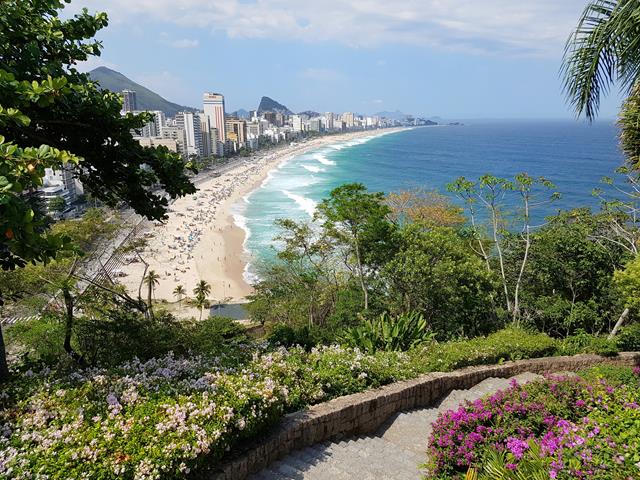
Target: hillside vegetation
[{"x": 146, "y": 99}]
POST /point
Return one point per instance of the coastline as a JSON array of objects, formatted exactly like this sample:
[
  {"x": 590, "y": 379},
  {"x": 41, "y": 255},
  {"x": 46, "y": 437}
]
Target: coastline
[{"x": 201, "y": 240}]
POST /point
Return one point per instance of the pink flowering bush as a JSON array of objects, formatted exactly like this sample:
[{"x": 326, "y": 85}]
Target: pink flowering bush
[{"x": 564, "y": 428}]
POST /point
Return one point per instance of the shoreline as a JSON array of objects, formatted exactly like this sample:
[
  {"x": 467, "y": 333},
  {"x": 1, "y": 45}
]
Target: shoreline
[{"x": 201, "y": 240}]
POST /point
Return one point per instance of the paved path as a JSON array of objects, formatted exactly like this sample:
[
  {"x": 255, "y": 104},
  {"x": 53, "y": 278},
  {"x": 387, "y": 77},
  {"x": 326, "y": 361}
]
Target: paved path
[{"x": 394, "y": 452}]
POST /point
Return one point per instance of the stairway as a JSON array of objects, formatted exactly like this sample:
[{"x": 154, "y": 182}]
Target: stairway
[{"x": 394, "y": 452}]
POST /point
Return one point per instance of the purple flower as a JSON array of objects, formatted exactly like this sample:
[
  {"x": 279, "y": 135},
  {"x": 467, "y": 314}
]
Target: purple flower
[{"x": 517, "y": 447}]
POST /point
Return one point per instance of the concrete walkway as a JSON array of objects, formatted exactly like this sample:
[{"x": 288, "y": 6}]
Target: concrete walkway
[{"x": 394, "y": 452}]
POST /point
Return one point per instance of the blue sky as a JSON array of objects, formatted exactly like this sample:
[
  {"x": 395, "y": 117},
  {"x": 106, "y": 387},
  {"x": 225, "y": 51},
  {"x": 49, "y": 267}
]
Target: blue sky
[{"x": 449, "y": 58}]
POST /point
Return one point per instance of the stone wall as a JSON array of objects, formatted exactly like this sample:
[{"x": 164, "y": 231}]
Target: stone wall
[{"x": 365, "y": 412}]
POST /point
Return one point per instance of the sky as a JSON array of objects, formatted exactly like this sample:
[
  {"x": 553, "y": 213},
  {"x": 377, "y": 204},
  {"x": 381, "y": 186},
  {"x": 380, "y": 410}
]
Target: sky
[{"x": 457, "y": 59}]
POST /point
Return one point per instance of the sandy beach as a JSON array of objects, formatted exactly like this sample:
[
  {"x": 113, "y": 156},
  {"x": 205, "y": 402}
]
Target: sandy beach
[{"x": 200, "y": 240}]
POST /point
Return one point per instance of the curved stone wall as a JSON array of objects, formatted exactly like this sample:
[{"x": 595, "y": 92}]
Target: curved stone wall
[{"x": 365, "y": 412}]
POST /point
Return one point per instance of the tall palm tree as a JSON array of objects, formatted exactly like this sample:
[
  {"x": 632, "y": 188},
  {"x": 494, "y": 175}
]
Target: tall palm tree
[
  {"x": 202, "y": 290},
  {"x": 604, "y": 49},
  {"x": 179, "y": 292},
  {"x": 151, "y": 280}
]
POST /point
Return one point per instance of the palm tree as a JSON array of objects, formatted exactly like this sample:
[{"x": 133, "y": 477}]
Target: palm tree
[
  {"x": 202, "y": 290},
  {"x": 179, "y": 292},
  {"x": 201, "y": 303},
  {"x": 603, "y": 50},
  {"x": 152, "y": 279}
]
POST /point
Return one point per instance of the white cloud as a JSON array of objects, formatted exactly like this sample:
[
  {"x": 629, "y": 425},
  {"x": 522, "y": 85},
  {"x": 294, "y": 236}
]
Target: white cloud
[
  {"x": 183, "y": 43},
  {"x": 500, "y": 26},
  {"x": 377, "y": 101}
]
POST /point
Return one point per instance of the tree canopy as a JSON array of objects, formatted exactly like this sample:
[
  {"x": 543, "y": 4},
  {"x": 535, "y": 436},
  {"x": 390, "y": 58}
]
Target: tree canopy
[{"x": 53, "y": 116}]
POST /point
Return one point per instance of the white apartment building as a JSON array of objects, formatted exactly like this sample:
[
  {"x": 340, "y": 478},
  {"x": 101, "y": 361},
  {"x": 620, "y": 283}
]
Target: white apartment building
[{"x": 190, "y": 123}]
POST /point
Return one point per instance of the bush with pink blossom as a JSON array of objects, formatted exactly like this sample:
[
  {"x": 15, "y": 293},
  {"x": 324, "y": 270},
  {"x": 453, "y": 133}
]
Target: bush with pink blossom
[{"x": 562, "y": 427}]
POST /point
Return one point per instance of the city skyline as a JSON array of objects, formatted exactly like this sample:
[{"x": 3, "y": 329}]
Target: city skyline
[{"x": 463, "y": 62}]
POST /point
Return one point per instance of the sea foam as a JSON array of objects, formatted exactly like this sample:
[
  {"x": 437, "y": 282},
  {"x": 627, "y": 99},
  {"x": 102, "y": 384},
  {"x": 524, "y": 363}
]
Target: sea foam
[
  {"x": 241, "y": 222},
  {"x": 322, "y": 159},
  {"x": 313, "y": 169},
  {"x": 304, "y": 203}
]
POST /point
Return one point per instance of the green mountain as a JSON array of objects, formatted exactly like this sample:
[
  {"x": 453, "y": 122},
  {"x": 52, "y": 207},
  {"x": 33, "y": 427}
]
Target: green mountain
[
  {"x": 145, "y": 98},
  {"x": 270, "y": 105}
]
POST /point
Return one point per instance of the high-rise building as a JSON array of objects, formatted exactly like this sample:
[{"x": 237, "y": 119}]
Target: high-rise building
[
  {"x": 59, "y": 184},
  {"x": 214, "y": 110},
  {"x": 63, "y": 178},
  {"x": 270, "y": 117},
  {"x": 254, "y": 129},
  {"x": 177, "y": 134},
  {"x": 315, "y": 125},
  {"x": 170, "y": 143},
  {"x": 236, "y": 131},
  {"x": 328, "y": 120},
  {"x": 297, "y": 123},
  {"x": 190, "y": 123},
  {"x": 152, "y": 128},
  {"x": 129, "y": 102},
  {"x": 349, "y": 119}
]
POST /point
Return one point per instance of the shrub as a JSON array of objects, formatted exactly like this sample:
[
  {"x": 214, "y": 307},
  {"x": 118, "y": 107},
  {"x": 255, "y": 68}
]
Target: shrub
[
  {"x": 585, "y": 343},
  {"x": 628, "y": 339},
  {"x": 213, "y": 335},
  {"x": 284, "y": 335},
  {"x": 38, "y": 340},
  {"x": 612, "y": 374},
  {"x": 122, "y": 334},
  {"x": 508, "y": 344},
  {"x": 387, "y": 333},
  {"x": 558, "y": 428}
]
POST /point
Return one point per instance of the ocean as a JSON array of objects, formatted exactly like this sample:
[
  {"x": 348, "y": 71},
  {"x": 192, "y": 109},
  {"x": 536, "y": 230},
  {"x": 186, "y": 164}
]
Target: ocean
[{"x": 573, "y": 155}]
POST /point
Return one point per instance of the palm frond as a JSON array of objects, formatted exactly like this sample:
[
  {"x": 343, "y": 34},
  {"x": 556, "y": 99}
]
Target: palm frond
[{"x": 604, "y": 49}]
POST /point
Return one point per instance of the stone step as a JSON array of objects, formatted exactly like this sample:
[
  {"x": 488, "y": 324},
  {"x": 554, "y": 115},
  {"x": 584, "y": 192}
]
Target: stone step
[{"x": 394, "y": 453}]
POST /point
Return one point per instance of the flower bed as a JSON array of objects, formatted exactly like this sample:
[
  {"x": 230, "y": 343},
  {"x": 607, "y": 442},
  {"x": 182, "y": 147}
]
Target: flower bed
[
  {"x": 563, "y": 427},
  {"x": 168, "y": 416}
]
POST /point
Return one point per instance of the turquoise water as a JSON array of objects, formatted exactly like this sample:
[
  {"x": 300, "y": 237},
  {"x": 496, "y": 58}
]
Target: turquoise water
[{"x": 573, "y": 155}]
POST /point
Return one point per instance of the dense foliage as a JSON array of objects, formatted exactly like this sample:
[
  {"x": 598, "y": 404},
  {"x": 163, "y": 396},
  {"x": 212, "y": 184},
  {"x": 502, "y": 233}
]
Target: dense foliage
[
  {"x": 52, "y": 116},
  {"x": 574, "y": 273},
  {"x": 163, "y": 416},
  {"x": 398, "y": 334},
  {"x": 568, "y": 281},
  {"x": 562, "y": 427}
]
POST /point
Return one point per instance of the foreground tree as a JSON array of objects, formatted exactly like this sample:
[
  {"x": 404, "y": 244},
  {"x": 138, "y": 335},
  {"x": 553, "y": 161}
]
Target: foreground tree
[
  {"x": 490, "y": 192},
  {"x": 434, "y": 273},
  {"x": 356, "y": 220},
  {"x": 52, "y": 116},
  {"x": 627, "y": 282},
  {"x": 428, "y": 207},
  {"x": 566, "y": 286}
]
